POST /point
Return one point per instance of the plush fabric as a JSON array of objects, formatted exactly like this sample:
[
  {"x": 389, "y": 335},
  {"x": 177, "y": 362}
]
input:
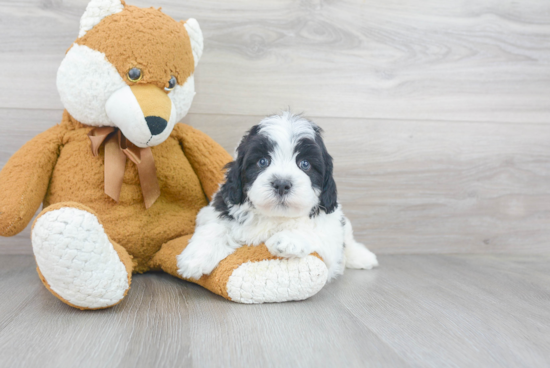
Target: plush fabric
[
  {"x": 217, "y": 281},
  {"x": 121, "y": 34},
  {"x": 88, "y": 245},
  {"x": 25, "y": 178},
  {"x": 92, "y": 263},
  {"x": 182, "y": 164}
]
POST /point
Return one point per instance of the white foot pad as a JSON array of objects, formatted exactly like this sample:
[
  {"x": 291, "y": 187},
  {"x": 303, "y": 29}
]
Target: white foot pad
[
  {"x": 272, "y": 281},
  {"x": 359, "y": 257},
  {"x": 77, "y": 260}
]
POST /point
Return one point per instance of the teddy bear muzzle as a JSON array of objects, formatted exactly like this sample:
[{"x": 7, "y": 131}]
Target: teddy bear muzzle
[{"x": 143, "y": 112}]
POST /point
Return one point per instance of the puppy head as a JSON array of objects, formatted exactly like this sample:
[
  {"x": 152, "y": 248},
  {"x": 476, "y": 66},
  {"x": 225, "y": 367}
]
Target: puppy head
[
  {"x": 282, "y": 168},
  {"x": 131, "y": 68}
]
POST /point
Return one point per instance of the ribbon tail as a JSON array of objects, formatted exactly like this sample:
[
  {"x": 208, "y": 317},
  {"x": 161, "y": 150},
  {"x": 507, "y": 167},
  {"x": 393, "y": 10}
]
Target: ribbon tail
[
  {"x": 115, "y": 165},
  {"x": 130, "y": 150},
  {"x": 98, "y": 136},
  {"x": 117, "y": 149},
  {"x": 148, "y": 177}
]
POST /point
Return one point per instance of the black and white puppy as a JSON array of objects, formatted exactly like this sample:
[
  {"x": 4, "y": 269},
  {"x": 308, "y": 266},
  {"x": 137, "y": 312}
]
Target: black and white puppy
[{"x": 278, "y": 191}]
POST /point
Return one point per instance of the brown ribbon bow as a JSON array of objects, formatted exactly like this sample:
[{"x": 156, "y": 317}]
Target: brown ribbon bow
[{"x": 117, "y": 148}]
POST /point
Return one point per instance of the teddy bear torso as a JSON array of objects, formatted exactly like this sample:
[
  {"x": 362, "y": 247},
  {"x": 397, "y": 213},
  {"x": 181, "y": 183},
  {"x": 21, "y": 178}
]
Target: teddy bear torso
[{"x": 79, "y": 176}]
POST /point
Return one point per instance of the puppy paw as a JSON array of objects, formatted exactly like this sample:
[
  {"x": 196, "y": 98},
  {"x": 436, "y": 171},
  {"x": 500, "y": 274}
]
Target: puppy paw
[
  {"x": 200, "y": 258},
  {"x": 193, "y": 267},
  {"x": 289, "y": 244},
  {"x": 359, "y": 257}
]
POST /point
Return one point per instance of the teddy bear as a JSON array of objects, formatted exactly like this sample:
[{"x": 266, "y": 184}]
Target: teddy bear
[{"x": 121, "y": 181}]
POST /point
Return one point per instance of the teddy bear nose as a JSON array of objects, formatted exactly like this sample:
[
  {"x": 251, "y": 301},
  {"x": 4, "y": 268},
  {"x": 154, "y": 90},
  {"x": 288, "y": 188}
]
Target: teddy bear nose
[{"x": 156, "y": 124}]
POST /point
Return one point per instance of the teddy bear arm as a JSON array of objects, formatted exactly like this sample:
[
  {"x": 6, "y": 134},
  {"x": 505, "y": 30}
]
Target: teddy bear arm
[
  {"x": 25, "y": 178},
  {"x": 206, "y": 157}
]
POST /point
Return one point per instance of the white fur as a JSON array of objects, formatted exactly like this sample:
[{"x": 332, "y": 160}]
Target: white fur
[
  {"x": 197, "y": 40},
  {"x": 96, "y": 11},
  {"x": 182, "y": 97},
  {"x": 357, "y": 255},
  {"x": 77, "y": 260},
  {"x": 286, "y": 130},
  {"x": 124, "y": 111},
  {"x": 85, "y": 81},
  {"x": 212, "y": 242},
  {"x": 287, "y": 232},
  {"x": 289, "y": 243},
  {"x": 93, "y": 92},
  {"x": 216, "y": 238}
]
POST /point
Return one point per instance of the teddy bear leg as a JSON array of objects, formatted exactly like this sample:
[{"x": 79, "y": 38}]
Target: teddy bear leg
[
  {"x": 252, "y": 275},
  {"x": 76, "y": 260}
]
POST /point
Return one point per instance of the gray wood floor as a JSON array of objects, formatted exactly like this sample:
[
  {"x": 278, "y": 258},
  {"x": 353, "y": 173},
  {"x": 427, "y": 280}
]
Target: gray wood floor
[
  {"x": 414, "y": 311},
  {"x": 438, "y": 116},
  {"x": 456, "y": 60}
]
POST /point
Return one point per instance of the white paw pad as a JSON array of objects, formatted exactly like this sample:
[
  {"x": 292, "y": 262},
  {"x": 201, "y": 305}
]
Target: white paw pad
[
  {"x": 289, "y": 244},
  {"x": 197, "y": 260},
  {"x": 361, "y": 258},
  {"x": 77, "y": 260},
  {"x": 273, "y": 281}
]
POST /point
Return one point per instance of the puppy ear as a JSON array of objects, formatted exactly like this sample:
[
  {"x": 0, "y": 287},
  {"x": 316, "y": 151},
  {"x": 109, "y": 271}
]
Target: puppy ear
[
  {"x": 232, "y": 190},
  {"x": 329, "y": 195},
  {"x": 328, "y": 200}
]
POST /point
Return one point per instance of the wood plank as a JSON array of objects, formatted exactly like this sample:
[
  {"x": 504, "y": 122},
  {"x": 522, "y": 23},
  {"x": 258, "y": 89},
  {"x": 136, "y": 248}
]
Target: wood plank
[
  {"x": 432, "y": 187},
  {"x": 407, "y": 186},
  {"x": 452, "y": 60},
  {"x": 149, "y": 329},
  {"x": 314, "y": 333},
  {"x": 167, "y": 322},
  {"x": 19, "y": 283},
  {"x": 418, "y": 311},
  {"x": 460, "y": 311}
]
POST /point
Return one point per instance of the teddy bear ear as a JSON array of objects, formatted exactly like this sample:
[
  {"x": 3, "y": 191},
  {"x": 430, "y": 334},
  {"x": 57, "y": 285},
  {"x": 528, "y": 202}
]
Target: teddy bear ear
[
  {"x": 195, "y": 34},
  {"x": 96, "y": 11}
]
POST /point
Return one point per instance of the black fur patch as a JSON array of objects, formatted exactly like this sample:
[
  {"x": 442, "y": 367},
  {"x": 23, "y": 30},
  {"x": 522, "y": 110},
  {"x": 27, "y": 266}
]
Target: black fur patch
[
  {"x": 241, "y": 173},
  {"x": 343, "y": 221},
  {"x": 321, "y": 170}
]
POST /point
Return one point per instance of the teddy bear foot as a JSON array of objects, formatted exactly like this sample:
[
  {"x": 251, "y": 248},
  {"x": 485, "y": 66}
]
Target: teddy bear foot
[
  {"x": 277, "y": 280},
  {"x": 251, "y": 275},
  {"x": 76, "y": 260}
]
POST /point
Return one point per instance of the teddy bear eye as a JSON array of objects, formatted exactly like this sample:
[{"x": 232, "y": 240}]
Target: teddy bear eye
[
  {"x": 134, "y": 75},
  {"x": 171, "y": 84}
]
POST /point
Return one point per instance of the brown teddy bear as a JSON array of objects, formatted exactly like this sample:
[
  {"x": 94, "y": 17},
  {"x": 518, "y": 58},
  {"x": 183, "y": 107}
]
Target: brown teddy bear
[{"x": 120, "y": 180}]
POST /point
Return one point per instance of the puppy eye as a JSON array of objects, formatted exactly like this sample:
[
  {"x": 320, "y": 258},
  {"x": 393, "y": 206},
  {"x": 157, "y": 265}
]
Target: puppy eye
[
  {"x": 264, "y": 162},
  {"x": 171, "y": 84},
  {"x": 304, "y": 165},
  {"x": 135, "y": 75}
]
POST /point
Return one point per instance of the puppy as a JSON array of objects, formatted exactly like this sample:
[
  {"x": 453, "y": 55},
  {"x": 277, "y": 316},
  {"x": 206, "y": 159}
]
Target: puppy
[{"x": 278, "y": 191}]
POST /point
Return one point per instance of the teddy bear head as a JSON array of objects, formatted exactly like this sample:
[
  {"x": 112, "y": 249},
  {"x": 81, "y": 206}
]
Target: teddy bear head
[{"x": 131, "y": 68}]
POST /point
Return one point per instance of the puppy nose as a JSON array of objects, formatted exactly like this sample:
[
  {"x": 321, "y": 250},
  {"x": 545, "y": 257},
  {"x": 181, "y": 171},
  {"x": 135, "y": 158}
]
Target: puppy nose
[
  {"x": 282, "y": 186},
  {"x": 156, "y": 124}
]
